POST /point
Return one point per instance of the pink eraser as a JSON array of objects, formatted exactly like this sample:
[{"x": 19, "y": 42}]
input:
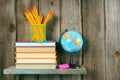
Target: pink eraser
[{"x": 64, "y": 66}]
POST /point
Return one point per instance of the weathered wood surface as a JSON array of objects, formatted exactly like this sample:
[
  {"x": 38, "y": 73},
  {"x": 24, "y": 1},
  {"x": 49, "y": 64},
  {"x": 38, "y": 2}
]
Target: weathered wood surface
[
  {"x": 97, "y": 20},
  {"x": 112, "y": 39},
  {"x": 7, "y": 36},
  {"x": 13, "y": 70},
  {"x": 71, "y": 20},
  {"x": 53, "y": 26},
  {"x": 2, "y": 43},
  {"x": 23, "y": 26},
  {"x": 94, "y": 38}
]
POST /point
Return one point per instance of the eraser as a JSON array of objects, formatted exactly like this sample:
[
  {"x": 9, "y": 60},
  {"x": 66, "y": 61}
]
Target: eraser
[{"x": 64, "y": 66}]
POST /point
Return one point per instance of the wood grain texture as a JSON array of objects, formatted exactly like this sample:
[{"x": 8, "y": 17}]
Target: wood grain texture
[
  {"x": 28, "y": 77},
  {"x": 98, "y": 23},
  {"x": 16, "y": 77},
  {"x": 7, "y": 36},
  {"x": 71, "y": 20},
  {"x": 24, "y": 27},
  {"x": 94, "y": 38},
  {"x": 2, "y": 47},
  {"x": 53, "y": 27},
  {"x": 112, "y": 9},
  {"x": 13, "y": 70}
]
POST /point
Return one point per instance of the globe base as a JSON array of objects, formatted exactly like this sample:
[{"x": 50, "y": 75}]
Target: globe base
[{"x": 71, "y": 62}]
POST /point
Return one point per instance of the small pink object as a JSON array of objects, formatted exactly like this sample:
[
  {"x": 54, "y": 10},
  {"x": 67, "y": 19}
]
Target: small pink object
[{"x": 64, "y": 66}]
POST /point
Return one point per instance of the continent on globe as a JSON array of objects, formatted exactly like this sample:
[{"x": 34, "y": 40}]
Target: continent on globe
[
  {"x": 66, "y": 35},
  {"x": 76, "y": 41}
]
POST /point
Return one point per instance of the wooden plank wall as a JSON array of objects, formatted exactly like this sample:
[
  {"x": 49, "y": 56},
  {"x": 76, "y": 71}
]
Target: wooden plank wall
[
  {"x": 71, "y": 20},
  {"x": 94, "y": 35},
  {"x": 97, "y": 20},
  {"x": 112, "y": 39},
  {"x": 7, "y": 36}
]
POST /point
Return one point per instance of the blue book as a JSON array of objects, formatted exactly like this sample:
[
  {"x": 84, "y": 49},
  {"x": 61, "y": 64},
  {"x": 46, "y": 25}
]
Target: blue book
[
  {"x": 35, "y": 44},
  {"x": 36, "y": 69}
]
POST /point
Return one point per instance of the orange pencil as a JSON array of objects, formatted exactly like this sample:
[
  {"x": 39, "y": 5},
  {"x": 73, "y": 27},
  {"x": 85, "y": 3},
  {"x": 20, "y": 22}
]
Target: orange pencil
[
  {"x": 29, "y": 16},
  {"x": 35, "y": 14},
  {"x": 41, "y": 18},
  {"x": 49, "y": 15}
]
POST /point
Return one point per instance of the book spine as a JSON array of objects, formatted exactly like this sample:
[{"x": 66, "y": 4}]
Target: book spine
[
  {"x": 34, "y": 44},
  {"x": 34, "y": 68},
  {"x": 35, "y": 57},
  {"x": 36, "y": 49},
  {"x": 35, "y": 60},
  {"x": 31, "y": 53}
]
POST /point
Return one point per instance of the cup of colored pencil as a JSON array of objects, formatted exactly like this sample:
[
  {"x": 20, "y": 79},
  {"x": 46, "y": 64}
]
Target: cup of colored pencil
[{"x": 38, "y": 25}]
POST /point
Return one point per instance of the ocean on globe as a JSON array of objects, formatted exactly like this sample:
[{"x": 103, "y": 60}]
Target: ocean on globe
[{"x": 71, "y": 41}]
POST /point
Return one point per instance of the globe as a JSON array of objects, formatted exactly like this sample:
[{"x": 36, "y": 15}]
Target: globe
[{"x": 71, "y": 41}]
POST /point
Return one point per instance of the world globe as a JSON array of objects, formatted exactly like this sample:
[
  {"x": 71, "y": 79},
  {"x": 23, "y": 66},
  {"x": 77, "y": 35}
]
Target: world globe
[{"x": 71, "y": 41}]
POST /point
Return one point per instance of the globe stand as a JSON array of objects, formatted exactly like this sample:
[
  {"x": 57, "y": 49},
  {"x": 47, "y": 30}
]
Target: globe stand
[{"x": 72, "y": 63}]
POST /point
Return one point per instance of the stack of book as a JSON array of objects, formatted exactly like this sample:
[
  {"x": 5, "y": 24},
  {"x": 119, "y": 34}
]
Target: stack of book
[{"x": 34, "y": 55}]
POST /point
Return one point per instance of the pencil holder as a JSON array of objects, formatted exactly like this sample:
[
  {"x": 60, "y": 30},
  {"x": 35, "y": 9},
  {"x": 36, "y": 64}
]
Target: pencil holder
[{"x": 38, "y": 32}]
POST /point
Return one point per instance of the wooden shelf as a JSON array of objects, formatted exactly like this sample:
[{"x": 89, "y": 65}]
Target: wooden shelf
[{"x": 12, "y": 70}]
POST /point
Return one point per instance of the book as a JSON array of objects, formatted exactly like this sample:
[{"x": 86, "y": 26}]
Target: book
[
  {"x": 35, "y": 54},
  {"x": 35, "y": 60},
  {"x": 35, "y": 63},
  {"x": 34, "y": 66},
  {"x": 36, "y": 57},
  {"x": 35, "y": 49},
  {"x": 35, "y": 44}
]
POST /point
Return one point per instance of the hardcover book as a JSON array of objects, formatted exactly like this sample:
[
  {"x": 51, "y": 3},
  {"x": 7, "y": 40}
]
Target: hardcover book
[
  {"x": 35, "y": 60},
  {"x": 35, "y": 49},
  {"x": 35, "y": 44},
  {"x": 34, "y": 66},
  {"x": 35, "y": 54}
]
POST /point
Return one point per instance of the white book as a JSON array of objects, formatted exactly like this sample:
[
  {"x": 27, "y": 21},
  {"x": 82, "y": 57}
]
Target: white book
[{"x": 35, "y": 44}]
